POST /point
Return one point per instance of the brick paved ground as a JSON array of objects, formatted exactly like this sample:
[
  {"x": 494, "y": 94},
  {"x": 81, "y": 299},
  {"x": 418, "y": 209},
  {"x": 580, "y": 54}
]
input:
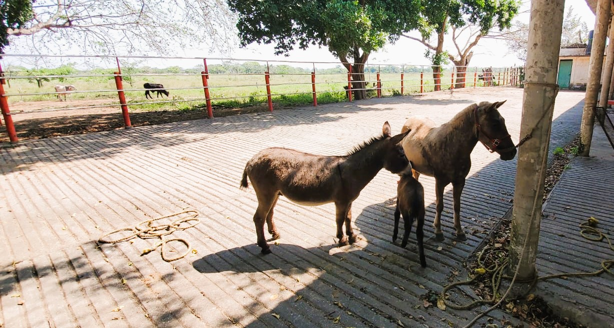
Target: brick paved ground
[
  {"x": 585, "y": 190},
  {"x": 58, "y": 196}
]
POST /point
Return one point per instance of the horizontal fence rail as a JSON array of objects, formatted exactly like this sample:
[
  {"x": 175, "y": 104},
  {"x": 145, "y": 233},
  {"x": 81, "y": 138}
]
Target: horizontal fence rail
[{"x": 226, "y": 83}]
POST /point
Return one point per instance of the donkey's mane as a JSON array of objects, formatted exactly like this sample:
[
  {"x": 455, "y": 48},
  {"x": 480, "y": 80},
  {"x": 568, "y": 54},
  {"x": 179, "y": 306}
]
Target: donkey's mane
[{"x": 366, "y": 144}]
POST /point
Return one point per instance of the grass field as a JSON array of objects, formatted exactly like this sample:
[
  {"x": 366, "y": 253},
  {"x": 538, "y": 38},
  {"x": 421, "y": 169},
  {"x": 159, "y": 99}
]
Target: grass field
[{"x": 226, "y": 90}]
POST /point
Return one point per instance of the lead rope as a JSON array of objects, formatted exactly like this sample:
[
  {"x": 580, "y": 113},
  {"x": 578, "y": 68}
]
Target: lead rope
[
  {"x": 147, "y": 230},
  {"x": 530, "y": 134},
  {"x": 549, "y": 108}
]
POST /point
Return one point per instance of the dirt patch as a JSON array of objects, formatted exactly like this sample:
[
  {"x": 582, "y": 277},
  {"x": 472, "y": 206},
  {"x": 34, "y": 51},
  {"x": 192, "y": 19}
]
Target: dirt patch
[{"x": 32, "y": 124}]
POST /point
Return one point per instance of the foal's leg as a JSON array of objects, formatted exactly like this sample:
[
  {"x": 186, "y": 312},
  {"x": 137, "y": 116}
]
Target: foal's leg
[
  {"x": 457, "y": 190},
  {"x": 439, "y": 186},
  {"x": 270, "y": 223},
  {"x": 348, "y": 225},
  {"x": 397, "y": 216},
  {"x": 408, "y": 221},
  {"x": 341, "y": 216},
  {"x": 265, "y": 205},
  {"x": 420, "y": 238}
]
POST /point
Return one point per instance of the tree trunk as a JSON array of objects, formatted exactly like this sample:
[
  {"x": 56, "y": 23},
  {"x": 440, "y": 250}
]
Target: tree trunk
[
  {"x": 607, "y": 71},
  {"x": 359, "y": 84},
  {"x": 538, "y": 105},
  {"x": 461, "y": 72},
  {"x": 437, "y": 60},
  {"x": 437, "y": 77},
  {"x": 594, "y": 76}
]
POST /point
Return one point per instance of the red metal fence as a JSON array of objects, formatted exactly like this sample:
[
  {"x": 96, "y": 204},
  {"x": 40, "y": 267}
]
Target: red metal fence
[{"x": 465, "y": 77}]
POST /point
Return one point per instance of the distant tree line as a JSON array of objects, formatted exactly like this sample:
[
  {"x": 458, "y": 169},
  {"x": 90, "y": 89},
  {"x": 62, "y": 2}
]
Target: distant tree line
[{"x": 60, "y": 73}]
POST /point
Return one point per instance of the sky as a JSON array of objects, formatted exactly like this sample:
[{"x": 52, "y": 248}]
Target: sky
[{"x": 488, "y": 52}]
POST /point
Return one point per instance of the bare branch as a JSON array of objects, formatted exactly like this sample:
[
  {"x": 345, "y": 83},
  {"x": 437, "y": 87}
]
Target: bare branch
[{"x": 426, "y": 44}]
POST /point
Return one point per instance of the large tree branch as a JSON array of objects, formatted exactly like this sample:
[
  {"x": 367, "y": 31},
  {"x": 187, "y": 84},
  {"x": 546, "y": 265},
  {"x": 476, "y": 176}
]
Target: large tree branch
[
  {"x": 421, "y": 41},
  {"x": 48, "y": 24}
]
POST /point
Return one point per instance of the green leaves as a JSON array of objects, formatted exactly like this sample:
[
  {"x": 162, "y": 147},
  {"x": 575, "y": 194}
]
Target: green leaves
[
  {"x": 13, "y": 14},
  {"x": 354, "y": 28}
]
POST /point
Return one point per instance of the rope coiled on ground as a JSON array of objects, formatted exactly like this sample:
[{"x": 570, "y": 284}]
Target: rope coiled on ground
[
  {"x": 147, "y": 230},
  {"x": 588, "y": 230}
]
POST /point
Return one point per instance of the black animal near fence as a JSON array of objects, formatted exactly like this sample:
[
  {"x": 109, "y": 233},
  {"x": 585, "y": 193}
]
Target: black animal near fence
[
  {"x": 224, "y": 82},
  {"x": 154, "y": 87}
]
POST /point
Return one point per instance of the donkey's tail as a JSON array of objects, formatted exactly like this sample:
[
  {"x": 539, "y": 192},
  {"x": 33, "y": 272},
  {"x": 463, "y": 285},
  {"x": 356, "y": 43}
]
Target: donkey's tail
[{"x": 244, "y": 183}]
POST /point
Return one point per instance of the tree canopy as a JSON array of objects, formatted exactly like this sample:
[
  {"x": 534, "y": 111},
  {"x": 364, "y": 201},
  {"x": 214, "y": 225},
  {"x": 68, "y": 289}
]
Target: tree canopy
[
  {"x": 116, "y": 26},
  {"x": 348, "y": 28},
  {"x": 14, "y": 14},
  {"x": 575, "y": 32},
  {"x": 351, "y": 30},
  {"x": 475, "y": 17}
]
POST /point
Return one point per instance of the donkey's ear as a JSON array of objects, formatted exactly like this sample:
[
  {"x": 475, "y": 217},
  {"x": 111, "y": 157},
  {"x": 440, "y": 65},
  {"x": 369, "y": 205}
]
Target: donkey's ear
[
  {"x": 386, "y": 129},
  {"x": 499, "y": 103}
]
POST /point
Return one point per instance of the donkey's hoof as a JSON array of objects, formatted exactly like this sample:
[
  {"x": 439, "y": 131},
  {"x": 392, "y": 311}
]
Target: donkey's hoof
[
  {"x": 275, "y": 236},
  {"x": 266, "y": 251},
  {"x": 343, "y": 241},
  {"x": 353, "y": 239},
  {"x": 439, "y": 236},
  {"x": 461, "y": 236}
]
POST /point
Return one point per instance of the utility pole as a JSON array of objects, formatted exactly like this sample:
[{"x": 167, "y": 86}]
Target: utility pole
[
  {"x": 602, "y": 20},
  {"x": 538, "y": 102}
]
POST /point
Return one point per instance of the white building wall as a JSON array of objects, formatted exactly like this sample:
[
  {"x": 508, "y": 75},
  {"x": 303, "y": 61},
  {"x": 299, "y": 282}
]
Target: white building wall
[{"x": 579, "y": 70}]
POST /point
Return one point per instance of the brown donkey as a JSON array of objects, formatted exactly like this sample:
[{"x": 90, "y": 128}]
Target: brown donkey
[
  {"x": 313, "y": 180},
  {"x": 410, "y": 204},
  {"x": 444, "y": 151}
]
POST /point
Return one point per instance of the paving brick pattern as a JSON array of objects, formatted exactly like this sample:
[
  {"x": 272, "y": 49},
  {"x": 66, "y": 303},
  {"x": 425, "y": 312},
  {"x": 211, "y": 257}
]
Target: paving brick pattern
[
  {"x": 58, "y": 196},
  {"x": 585, "y": 190}
]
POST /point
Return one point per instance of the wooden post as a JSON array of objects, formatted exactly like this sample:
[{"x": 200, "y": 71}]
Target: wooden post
[
  {"x": 499, "y": 79},
  {"x": 122, "y": 100},
  {"x": 421, "y": 82},
  {"x": 452, "y": 82},
  {"x": 402, "y": 84},
  {"x": 205, "y": 77},
  {"x": 313, "y": 87},
  {"x": 6, "y": 113},
  {"x": 538, "y": 105},
  {"x": 594, "y": 75}
]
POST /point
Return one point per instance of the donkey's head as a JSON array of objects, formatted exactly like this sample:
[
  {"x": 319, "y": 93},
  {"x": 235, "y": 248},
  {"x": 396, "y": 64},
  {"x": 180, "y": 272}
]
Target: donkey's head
[
  {"x": 395, "y": 160},
  {"x": 491, "y": 130}
]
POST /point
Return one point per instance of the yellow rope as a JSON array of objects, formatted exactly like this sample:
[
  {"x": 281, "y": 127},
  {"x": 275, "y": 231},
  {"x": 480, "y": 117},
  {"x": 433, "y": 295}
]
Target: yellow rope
[
  {"x": 147, "y": 230},
  {"x": 587, "y": 230}
]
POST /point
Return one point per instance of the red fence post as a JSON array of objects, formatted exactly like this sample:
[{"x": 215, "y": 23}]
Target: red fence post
[
  {"x": 402, "y": 85},
  {"x": 6, "y": 113},
  {"x": 452, "y": 82},
  {"x": 122, "y": 99},
  {"x": 379, "y": 86},
  {"x": 268, "y": 89},
  {"x": 350, "y": 84},
  {"x": 475, "y": 79},
  {"x": 421, "y": 82},
  {"x": 205, "y": 77},
  {"x": 313, "y": 87}
]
